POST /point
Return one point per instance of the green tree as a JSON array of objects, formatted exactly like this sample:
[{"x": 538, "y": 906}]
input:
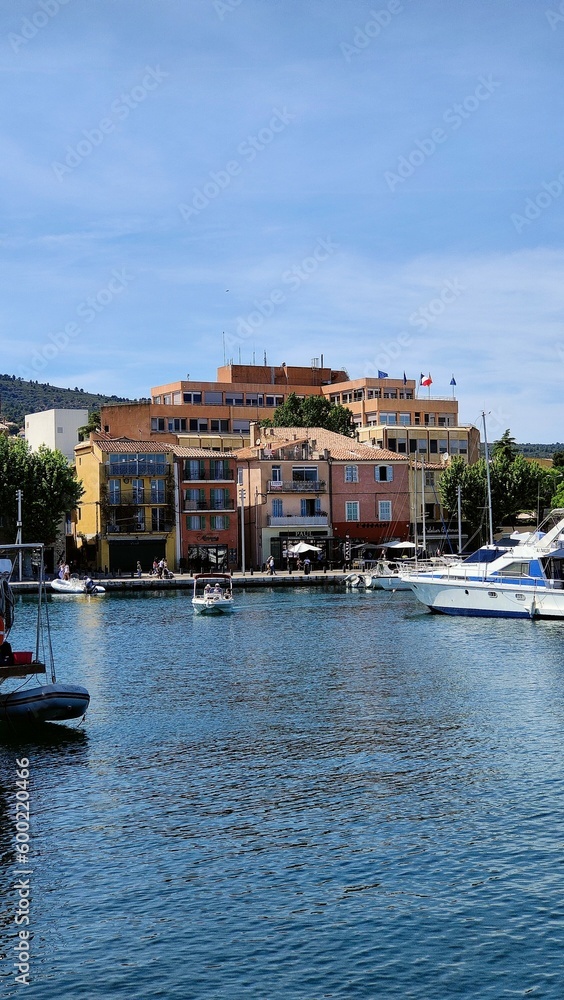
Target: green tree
[
  {"x": 313, "y": 411},
  {"x": 558, "y": 460},
  {"x": 505, "y": 447},
  {"x": 49, "y": 486},
  {"x": 92, "y": 426},
  {"x": 516, "y": 485}
]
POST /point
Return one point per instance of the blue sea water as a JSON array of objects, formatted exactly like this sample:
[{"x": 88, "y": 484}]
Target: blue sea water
[{"x": 324, "y": 795}]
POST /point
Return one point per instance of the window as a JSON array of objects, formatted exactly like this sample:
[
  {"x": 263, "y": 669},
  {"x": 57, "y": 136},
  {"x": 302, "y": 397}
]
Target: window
[
  {"x": 219, "y": 522},
  {"x": 213, "y": 398},
  {"x": 219, "y": 499},
  {"x": 304, "y": 474},
  {"x": 433, "y": 446},
  {"x": 310, "y": 507},
  {"x": 351, "y": 476},
  {"x": 277, "y": 508},
  {"x": 157, "y": 491},
  {"x": 388, "y": 418},
  {"x": 191, "y": 397},
  {"x": 138, "y": 491},
  {"x": 402, "y": 446},
  {"x": 422, "y": 445},
  {"x": 193, "y": 469},
  {"x": 177, "y": 424},
  {"x": 219, "y": 425},
  {"x": 219, "y": 469},
  {"x": 358, "y": 394},
  {"x": 335, "y": 397},
  {"x": 233, "y": 398},
  {"x": 429, "y": 479},
  {"x": 157, "y": 423},
  {"x": 412, "y": 446},
  {"x": 276, "y": 476},
  {"x": 194, "y": 499},
  {"x": 391, "y": 394},
  {"x": 274, "y": 400},
  {"x": 195, "y": 522},
  {"x": 352, "y": 510},
  {"x": 392, "y": 444},
  {"x": 239, "y": 477},
  {"x": 383, "y": 473},
  {"x": 405, "y": 419},
  {"x": 254, "y": 400},
  {"x": 241, "y": 426},
  {"x": 114, "y": 490},
  {"x": 157, "y": 519},
  {"x": 384, "y": 510},
  {"x": 140, "y": 519}
]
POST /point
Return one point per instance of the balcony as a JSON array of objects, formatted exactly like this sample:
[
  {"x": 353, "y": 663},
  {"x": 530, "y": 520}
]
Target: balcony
[
  {"x": 207, "y": 505},
  {"x": 296, "y": 486},
  {"x": 206, "y": 476},
  {"x": 137, "y": 469},
  {"x": 296, "y": 521}
]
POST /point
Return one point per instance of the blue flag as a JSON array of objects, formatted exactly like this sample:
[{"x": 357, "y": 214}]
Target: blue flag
[
  {"x": 453, "y": 380},
  {"x": 404, "y": 379},
  {"x": 382, "y": 374}
]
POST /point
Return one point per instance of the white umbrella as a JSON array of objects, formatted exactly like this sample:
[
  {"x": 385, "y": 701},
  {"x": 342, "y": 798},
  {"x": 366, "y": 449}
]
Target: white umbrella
[
  {"x": 302, "y": 547},
  {"x": 400, "y": 545}
]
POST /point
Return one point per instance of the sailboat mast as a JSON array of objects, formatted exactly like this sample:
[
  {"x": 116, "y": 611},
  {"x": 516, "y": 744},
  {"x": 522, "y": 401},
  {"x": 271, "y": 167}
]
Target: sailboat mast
[{"x": 490, "y": 516}]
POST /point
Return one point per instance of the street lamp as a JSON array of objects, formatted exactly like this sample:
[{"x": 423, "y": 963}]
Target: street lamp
[{"x": 242, "y": 495}]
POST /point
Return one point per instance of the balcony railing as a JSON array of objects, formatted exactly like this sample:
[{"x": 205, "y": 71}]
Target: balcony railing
[
  {"x": 228, "y": 504},
  {"x": 207, "y": 476},
  {"x": 145, "y": 499},
  {"x": 296, "y": 486},
  {"x": 297, "y": 521},
  {"x": 137, "y": 469}
]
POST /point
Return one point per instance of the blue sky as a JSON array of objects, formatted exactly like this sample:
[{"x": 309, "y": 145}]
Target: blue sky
[{"x": 381, "y": 183}]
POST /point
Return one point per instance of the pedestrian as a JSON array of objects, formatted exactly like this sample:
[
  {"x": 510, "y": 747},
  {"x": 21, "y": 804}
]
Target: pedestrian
[
  {"x": 270, "y": 565},
  {"x": 307, "y": 565},
  {"x": 139, "y": 570}
]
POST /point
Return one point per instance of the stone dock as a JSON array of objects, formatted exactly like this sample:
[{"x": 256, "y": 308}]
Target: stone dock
[{"x": 186, "y": 582}]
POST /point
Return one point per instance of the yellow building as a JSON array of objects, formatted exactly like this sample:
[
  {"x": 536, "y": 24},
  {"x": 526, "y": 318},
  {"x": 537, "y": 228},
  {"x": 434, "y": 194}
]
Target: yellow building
[{"x": 128, "y": 511}]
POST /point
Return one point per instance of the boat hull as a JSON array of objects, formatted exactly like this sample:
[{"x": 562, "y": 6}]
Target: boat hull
[
  {"x": 212, "y": 607},
  {"x": 75, "y": 590},
  {"x": 46, "y": 703},
  {"x": 488, "y": 600}
]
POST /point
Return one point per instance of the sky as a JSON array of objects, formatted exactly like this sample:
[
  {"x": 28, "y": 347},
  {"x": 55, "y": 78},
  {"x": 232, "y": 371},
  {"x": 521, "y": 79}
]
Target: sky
[{"x": 191, "y": 181}]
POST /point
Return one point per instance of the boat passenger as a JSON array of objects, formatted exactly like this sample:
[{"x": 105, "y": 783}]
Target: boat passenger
[
  {"x": 207, "y": 589},
  {"x": 89, "y": 586},
  {"x": 217, "y": 590},
  {"x": 6, "y": 654}
]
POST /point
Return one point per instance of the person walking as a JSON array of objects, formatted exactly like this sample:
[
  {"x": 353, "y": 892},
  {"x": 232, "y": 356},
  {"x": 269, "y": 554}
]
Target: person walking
[
  {"x": 270, "y": 565},
  {"x": 139, "y": 571},
  {"x": 307, "y": 565}
]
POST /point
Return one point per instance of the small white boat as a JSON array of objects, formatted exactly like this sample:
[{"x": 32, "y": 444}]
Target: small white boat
[
  {"x": 22, "y": 700},
  {"x": 213, "y": 594},
  {"x": 76, "y": 586}
]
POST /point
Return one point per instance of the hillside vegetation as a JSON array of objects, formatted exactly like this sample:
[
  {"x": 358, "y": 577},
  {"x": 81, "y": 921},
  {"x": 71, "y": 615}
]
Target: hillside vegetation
[{"x": 18, "y": 397}]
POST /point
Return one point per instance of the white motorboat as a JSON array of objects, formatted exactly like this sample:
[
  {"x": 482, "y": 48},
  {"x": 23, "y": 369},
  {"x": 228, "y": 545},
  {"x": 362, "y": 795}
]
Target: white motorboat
[
  {"x": 213, "y": 594},
  {"x": 74, "y": 585},
  {"x": 22, "y": 700},
  {"x": 525, "y": 580}
]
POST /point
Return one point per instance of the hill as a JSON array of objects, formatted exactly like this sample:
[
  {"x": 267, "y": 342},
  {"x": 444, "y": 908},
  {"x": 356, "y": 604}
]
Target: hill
[{"x": 18, "y": 397}]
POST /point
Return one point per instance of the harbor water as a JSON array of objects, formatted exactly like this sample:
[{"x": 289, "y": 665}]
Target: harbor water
[{"x": 323, "y": 795}]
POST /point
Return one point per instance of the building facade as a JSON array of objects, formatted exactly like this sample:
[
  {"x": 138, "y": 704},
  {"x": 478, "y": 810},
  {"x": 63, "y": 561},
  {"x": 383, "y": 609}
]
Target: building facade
[{"x": 208, "y": 510}]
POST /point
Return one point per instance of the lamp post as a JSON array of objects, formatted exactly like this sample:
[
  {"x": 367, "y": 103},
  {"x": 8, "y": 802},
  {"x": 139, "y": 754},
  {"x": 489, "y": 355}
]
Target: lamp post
[{"x": 242, "y": 495}]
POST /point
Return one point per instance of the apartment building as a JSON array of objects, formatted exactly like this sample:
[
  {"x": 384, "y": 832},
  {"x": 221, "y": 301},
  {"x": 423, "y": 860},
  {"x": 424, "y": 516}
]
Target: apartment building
[
  {"x": 208, "y": 510},
  {"x": 318, "y": 487}
]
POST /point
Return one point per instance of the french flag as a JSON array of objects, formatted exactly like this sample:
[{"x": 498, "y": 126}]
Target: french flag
[{"x": 426, "y": 379}]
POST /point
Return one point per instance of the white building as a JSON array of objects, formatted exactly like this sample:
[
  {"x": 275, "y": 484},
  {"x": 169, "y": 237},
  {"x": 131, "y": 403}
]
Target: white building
[{"x": 58, "y": 429}]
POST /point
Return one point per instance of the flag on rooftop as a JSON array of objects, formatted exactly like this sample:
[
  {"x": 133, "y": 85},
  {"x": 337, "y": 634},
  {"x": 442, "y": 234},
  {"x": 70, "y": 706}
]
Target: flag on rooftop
[
  {"x": 404, "y": 379},
  {"x": 453, "y": 380},
  {"x": 426, "y": 380},
  {"x": 382, "y": 374}
]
